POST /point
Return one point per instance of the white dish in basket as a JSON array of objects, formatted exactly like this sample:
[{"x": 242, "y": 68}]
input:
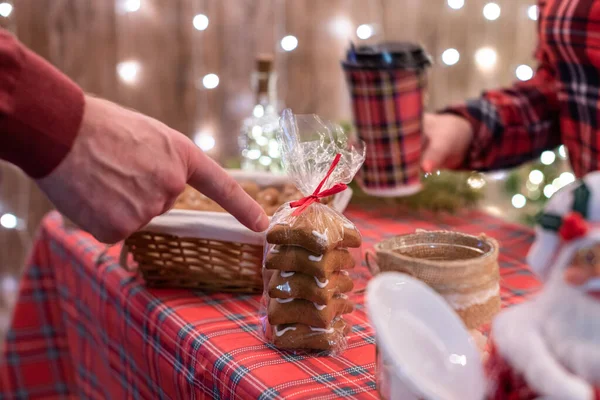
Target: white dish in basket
[{"x": 222, "y": 226}]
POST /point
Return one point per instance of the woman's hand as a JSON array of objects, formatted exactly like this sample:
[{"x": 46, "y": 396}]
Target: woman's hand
[
  {"x": 447, "y": 140},
  {"x": 125, "y": 168}
]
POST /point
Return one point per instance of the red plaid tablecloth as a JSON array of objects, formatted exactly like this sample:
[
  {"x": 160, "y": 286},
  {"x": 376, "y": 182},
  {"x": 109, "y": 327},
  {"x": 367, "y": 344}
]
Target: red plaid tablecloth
[{"x": 86, "y": 328}]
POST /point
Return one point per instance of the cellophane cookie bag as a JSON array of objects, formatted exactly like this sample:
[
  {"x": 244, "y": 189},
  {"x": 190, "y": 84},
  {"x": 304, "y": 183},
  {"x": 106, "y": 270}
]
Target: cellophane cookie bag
[{"x": 308, "y": 249}]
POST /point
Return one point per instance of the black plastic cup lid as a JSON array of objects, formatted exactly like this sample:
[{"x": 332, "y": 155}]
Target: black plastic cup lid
[{"x": 403, "y": 55}]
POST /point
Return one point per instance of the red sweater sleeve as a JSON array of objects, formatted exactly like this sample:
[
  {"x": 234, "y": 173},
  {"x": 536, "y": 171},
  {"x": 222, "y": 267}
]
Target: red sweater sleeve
[{"x": 40, "y": 110}]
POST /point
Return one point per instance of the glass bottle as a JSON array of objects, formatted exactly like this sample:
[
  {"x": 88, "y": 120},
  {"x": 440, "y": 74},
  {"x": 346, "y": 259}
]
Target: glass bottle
[{"x": 260, "y": 150}]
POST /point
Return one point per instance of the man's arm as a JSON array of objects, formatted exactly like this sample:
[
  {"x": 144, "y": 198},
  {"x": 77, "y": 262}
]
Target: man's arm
[
  {"x": 108, "y": 169},
  {"x": 40, "y": 110}
]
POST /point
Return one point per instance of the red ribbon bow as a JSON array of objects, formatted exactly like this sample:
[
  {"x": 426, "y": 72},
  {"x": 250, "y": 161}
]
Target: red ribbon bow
[
  {"x": 304, "y": 202},
  {"x": 573, "y": 226}
]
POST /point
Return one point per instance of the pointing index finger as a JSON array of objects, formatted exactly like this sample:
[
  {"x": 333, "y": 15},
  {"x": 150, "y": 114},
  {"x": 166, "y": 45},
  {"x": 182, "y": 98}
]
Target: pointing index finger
[{"x": 206, "y": 176}]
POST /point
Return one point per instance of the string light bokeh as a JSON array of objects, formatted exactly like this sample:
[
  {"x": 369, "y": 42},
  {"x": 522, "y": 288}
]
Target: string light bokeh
[
  {"x": 491, "y": 11},
  {"x": 5, "y": 9}
]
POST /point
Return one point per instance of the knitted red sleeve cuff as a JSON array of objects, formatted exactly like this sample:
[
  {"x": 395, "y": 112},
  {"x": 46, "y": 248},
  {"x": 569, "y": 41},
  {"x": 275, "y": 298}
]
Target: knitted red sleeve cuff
[{"x": 40, "y": 110}]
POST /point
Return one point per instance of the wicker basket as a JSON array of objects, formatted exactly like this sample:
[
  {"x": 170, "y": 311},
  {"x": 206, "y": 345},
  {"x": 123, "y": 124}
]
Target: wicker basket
[
  {"x": 169, "y": 261},
  {"x": 204, "y": 250}
]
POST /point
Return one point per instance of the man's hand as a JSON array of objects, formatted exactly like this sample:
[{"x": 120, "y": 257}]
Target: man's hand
[
  {"x": 125, "y": 168},
  {"x": 447, "y": 139}
]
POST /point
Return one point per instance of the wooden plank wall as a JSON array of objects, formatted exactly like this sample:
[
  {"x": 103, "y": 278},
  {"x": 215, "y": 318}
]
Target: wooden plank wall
[{"x": 88, "y": 38}]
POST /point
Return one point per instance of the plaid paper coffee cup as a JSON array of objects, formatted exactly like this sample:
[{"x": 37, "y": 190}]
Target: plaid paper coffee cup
[{"x": 386, "y": 84}]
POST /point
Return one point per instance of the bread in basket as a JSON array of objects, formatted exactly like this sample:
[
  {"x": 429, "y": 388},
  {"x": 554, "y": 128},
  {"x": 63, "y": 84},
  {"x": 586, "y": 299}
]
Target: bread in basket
[{"x": 209, "y": 250}]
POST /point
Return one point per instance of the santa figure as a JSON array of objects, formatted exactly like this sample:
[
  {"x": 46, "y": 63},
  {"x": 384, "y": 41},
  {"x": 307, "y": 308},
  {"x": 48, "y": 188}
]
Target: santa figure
[{"x": 550, "y": 347}]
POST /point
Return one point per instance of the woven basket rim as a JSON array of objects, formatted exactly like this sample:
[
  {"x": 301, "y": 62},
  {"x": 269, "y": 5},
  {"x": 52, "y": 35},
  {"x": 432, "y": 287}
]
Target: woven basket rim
[{"x": 459, "y": 263}]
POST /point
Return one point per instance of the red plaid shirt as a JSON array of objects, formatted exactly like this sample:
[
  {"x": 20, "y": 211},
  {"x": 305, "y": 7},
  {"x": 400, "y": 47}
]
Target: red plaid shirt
[{"x": 560, "y": 104}]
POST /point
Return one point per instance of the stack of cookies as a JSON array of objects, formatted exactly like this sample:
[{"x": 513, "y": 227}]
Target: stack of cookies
[{"x": 307, "y": 287}]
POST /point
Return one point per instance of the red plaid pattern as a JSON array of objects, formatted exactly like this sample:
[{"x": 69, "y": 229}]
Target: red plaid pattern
[
  {"x": 560, "y": 104},
  {"x": 387, "y": 107},
  {"x": 86, "y": 328}
]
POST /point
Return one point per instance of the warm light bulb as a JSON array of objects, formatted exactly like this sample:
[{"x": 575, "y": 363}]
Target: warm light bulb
[
  {"x": 258, "y": 111},
  {"x": 265, "y": 160},
  {"x": 533, "y": 12},
  {"x": 364, "y": 31},
  {"x": 341, "y": 27},
  {"x": 132, "y": 5},
  {"x": 486, "y": 58},
  {"x": 210, "y": 81},
  {"x": 256, "y": 131},
  {"x": 205, "y": 141},
  {"x": 128, "y": 71},
  {"x": 9, "y": 221},
  {"x": 556, "y": 183},
  {"x": 262, "y": 141},
  {"x": 5, "y": 9},
  {"x": 200, "y": 22},
  {"x": 524, "y": 72},
  {"x": 519, "y": 201},
  {"x": 450, "y": 56},
  {"x": 534, "y": 194},
  {"x": 476, "y": 181},
  {"x": 274, "y": 149},
  {"x": 549, "y": 190},
  {"x": 547, "y": 157},
  {"x": 456, "y": 4},
  {"x": 536, "y": 176},
  {"x": 289, "y": 43},
  {"x": 530, "y": 186},
  {"x": 562, "y": 151},
  {"x": 491, "y": 11},
  {"x": 254, "y": 154},
  {"x": 566, "y": 178}
]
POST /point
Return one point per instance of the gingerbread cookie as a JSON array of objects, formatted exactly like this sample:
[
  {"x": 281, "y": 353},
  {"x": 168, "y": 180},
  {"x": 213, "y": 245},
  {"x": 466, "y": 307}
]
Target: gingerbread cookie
[
  {"x": 299, "y": 311},
  {"x": 268, "y": 197},
  {"x": 316, "y": 232},
  {"x": 251, "y": 188},
  {"x": 298, "y": 259},
  {"x": 191, "y": 199},
  {"x": 299, "y": 336},
  {"x": 284, "y": 285},
  {"x": 270, "y": 210},
  {"x": 290, "y": 193}
]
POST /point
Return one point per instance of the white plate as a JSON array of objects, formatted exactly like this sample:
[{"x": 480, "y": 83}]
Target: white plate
[
  {"x": 428, "y": 351},
  {"x": 222, "y": 226}
]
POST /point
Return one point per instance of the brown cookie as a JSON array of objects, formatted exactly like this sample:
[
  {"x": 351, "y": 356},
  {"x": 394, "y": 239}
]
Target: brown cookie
[
  {"x": 268, "y": 197},
  {"x": 191, "y": 199},
  {"x": 270, "y": 210},
  {"x": 297, "y": 311},
  {"x": 326, "y": 200},
  {"x": 290, "y": 193},
  {"x": 317, "y": 232},
  {"x": 290, "y": 198},
  {"x": 298, "y": 259},
  {"x": 251, "y": 188},
  {"x": 284, "y": 285},
  {"x": 299, "y": 336},
  {"x": 289, "y": 190}
]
